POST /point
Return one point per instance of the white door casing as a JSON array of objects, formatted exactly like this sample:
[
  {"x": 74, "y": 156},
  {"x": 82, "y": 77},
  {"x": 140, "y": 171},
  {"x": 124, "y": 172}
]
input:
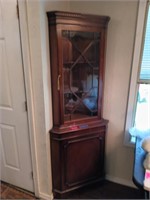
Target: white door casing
[{"x": 15, "y": 155}]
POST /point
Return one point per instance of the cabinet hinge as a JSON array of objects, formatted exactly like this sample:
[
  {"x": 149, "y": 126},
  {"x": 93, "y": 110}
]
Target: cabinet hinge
[{"x": 17, "y": 9}]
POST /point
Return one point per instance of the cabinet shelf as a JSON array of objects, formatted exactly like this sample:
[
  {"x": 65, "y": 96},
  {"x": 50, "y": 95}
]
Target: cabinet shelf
[{"x": 80, "y": 63}]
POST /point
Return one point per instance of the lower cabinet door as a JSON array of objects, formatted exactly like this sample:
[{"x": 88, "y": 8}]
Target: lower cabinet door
[{"x": 84, "y": 160}]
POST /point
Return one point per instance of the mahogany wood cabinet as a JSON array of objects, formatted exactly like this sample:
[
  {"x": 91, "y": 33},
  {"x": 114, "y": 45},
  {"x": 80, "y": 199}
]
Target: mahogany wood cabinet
[{"x": 77, "y": 56}]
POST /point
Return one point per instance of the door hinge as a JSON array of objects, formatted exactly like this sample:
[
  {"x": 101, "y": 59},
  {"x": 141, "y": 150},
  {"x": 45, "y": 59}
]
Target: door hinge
[
  {"x": 26, "y": 106},
  {"x": 17, "y": 8},
  {"x": 32, "y": 174}
]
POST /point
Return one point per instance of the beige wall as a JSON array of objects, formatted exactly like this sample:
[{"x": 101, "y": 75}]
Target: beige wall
[{"x": 121, "y": 31}]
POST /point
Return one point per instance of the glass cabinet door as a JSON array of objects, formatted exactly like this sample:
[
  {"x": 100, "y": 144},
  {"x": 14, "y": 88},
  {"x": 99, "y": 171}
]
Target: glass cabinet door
[{"x": 80, "y": 74}]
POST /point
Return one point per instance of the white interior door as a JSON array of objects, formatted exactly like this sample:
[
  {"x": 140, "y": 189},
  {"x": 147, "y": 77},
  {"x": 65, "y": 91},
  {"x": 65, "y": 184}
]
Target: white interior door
[{"x": 15, "y": 159}]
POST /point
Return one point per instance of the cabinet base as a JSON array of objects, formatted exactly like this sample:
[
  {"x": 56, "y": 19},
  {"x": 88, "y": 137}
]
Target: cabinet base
[{"x": 66, "y": 193}]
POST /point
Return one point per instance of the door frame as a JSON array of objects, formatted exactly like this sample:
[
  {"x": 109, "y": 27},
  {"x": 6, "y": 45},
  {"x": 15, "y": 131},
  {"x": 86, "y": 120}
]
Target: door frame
[
  {"x": 28, "y": 88},
  {"x": 39, "y": 105},
  {"x": 38, "y": 130}
]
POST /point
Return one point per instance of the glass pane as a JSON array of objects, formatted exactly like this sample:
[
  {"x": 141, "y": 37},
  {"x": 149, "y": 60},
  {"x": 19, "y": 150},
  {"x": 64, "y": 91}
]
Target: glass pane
[
  {"x": 142, "y": 117},
  {"x": 145, "y": 65},
  {"x": 81, "y": 72}
]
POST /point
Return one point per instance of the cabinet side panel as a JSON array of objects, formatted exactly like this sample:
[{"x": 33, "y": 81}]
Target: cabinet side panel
[
  {"x": 56, "y": 165},
  {"x": 54, "y": 74},
  {"x": 102, "y": 69}
]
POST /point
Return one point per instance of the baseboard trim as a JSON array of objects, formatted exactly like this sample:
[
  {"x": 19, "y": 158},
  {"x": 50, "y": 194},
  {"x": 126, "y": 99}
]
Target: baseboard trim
[
  {"x": 120, "y": 181},
  {"x": 46, "y": 196},
  {"x": 108, "y": 177}
]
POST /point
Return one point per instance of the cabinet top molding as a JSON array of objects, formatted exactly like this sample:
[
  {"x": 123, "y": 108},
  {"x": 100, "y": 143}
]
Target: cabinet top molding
[{"x": 60, "y": 17}]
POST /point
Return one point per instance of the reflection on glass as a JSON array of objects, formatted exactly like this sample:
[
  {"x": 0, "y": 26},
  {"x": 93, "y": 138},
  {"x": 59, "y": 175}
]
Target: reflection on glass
[
  {"x": 145, "y": 64},
  {"x": 81, "y": 73},
  {"x": 142, "y": 117}
]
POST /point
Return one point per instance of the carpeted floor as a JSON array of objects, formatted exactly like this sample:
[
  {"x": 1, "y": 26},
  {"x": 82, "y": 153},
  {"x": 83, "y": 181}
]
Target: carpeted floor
[{"x": 107, "y": 190}]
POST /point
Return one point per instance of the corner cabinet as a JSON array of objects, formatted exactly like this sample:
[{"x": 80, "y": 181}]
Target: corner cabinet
[{"x": 77, "y": 56}]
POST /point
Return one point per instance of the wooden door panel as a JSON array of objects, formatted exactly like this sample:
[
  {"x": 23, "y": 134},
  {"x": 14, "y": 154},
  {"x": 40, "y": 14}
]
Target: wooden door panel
[{"x": 83, "y": 159}]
